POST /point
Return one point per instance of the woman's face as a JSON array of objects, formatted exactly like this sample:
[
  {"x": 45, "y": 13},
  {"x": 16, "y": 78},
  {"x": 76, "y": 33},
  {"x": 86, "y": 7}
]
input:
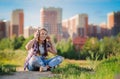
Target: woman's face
[{"x": 43, "y": 35}]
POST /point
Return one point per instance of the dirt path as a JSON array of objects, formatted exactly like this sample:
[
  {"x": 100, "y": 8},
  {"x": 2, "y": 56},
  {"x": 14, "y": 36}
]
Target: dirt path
[
  {"x": 27, "y": 75},
  {"x": 20, "y": 74}
]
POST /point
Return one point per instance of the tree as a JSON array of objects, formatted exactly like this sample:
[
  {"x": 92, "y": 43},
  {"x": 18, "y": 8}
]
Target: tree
[
  {"x": 26, "y": 41},
  {"x": 66, "y": 49},
  {"x": 5, "y": 43},
  {"x": 53, "y": 38},
  {"x": 91, "y": 45}
]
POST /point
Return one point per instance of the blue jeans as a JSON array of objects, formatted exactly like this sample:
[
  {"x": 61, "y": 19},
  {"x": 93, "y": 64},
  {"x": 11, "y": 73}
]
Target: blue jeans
[{"x": 36, "y": 61}]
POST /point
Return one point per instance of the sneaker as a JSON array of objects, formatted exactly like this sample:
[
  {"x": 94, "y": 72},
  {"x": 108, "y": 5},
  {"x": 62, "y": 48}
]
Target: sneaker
[
  {"x": 49, "y": 69},
  {"x": 42, "y": 69}
]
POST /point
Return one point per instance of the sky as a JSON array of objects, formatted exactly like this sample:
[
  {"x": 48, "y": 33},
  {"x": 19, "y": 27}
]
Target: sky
[{"x": 97, "y": 10}]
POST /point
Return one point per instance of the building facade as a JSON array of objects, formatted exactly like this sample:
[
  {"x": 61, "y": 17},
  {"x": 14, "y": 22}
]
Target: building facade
[
  {"x": 92, "y": 30},
  {"x": 76, "y": 25},
  {"x": 114, "y": 23},
  {"x": 17, "y": 23},
  {"x": 51, "y": 19},
  {"x": 2, "y": 29},
  {"x": 29, "y": 31},
  {"x": 103, "y": 30}
]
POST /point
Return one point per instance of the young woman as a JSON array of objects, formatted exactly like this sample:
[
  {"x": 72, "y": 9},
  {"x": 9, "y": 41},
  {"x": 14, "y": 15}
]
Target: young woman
[{"x": 38, "y": 49}]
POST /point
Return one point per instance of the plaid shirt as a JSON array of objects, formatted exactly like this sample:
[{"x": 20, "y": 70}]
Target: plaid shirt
[{"x": 31, "y": 52}]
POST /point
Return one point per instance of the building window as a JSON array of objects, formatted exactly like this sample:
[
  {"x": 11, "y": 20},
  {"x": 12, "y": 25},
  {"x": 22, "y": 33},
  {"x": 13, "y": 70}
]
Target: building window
[{"x": 59, "y": 28}]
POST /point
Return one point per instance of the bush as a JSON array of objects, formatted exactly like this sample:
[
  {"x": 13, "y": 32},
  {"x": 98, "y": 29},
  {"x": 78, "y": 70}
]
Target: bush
[
  {"x": 5, "y": 44},
  {"x": 66, "y": 49},
  {"x": 105, "y": 48},
  {"x": 25, "y": 42},
  {"x": 14, "y": 43},
  {"x": 16, "y": 57},
  {"x": 7, "y": 69}
]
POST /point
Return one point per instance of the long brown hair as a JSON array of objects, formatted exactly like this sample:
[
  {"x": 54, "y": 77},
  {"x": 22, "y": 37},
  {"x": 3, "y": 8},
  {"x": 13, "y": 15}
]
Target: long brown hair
[{"x": 44, "y": 43}]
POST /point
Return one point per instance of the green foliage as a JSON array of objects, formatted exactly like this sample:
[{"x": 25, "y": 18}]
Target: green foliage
[
  {"x": 110, "y": 65},
  {"x": 91, "y": 46},
  {"x": 100, "y": 49},
  {"x": 105, "y": 48},
  {"x": 53, "y": 38},
  {"x": 16, "y": 57},
  {"x": 14, "y": 43},
  {"x": 25, "y": 42},
  {"x": 7, "y": 69},
  {"x": 93, "y": 60},
  {"x": 106, "y": 69},
  {"x": 17, "y": 42},
  {"x": 65, "y": 48},
  {"x": 108, "y": 47},
  {"x": 10, "y": 59},
  {"x": 69, "y": 71},
  {"x": 5, "y": 44}
]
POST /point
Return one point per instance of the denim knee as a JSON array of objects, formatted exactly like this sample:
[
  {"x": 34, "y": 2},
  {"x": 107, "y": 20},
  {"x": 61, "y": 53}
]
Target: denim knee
[
  {"x": 55, "y": 61},
  {"x": 60, "y": 58}
]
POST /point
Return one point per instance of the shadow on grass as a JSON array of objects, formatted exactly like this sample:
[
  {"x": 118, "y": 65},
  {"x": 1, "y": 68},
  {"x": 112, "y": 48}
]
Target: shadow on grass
[{"x": 7, "y": 69}]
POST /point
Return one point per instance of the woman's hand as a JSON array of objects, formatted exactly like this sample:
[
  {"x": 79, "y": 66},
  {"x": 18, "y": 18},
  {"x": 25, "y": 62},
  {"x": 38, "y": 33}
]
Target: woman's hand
[
  {"x": 29, "y": 44},
  {"x": 52, "y": 48},
  {"x": 48, "y": 38}
]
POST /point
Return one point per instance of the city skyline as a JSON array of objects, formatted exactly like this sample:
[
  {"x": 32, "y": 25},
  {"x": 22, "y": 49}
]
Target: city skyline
[{"x": 97, "y": 10}]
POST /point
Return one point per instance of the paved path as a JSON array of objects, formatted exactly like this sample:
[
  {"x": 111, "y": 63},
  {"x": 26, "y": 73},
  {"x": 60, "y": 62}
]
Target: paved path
[
  {"x": 27, "y": 75},
  {"x": 20, "y": 74}
]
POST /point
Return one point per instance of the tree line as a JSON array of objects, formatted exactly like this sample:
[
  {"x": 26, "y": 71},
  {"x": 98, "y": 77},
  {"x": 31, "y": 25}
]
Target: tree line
[{"x": 93, "y": 48}]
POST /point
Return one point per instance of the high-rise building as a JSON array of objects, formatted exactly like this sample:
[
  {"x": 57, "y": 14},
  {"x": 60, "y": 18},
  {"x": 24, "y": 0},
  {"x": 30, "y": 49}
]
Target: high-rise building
[
  {"x": 51, "y": 19},
  {"x": 2, "y": 29},
  {"x": 114, "y": 23},
  {"x": 29, "y": 31},
  {"x": 76, "y": 25},
  {"x": 93, "y": 30},
  {"x": 7, "y": 24},
  {"x": 65, "y": 29},
  {"x": 17, "y": 23},
  {"x": 103, "y": 29},
  {"x": 110, "y": 20}
]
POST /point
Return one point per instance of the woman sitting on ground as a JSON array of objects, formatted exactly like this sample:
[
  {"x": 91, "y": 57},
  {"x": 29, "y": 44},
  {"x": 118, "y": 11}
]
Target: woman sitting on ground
[{"x": 38, "y": 51}]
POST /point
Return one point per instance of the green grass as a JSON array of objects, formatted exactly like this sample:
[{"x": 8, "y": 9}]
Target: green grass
[
  {"x": 106, "y": 69},
  {"x": 10, "y": 59},
  {"x": 68, "y": 69},
  {"x": 7, "y": 69},
  {"x": 14, "y": 57}
]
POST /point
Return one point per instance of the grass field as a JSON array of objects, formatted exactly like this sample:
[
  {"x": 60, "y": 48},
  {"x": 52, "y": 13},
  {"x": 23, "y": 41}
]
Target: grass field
[
  {"x": 10, "y": 59},
  {"x": 68, "y": 69},
  {"x": 72, "y": 69}
]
